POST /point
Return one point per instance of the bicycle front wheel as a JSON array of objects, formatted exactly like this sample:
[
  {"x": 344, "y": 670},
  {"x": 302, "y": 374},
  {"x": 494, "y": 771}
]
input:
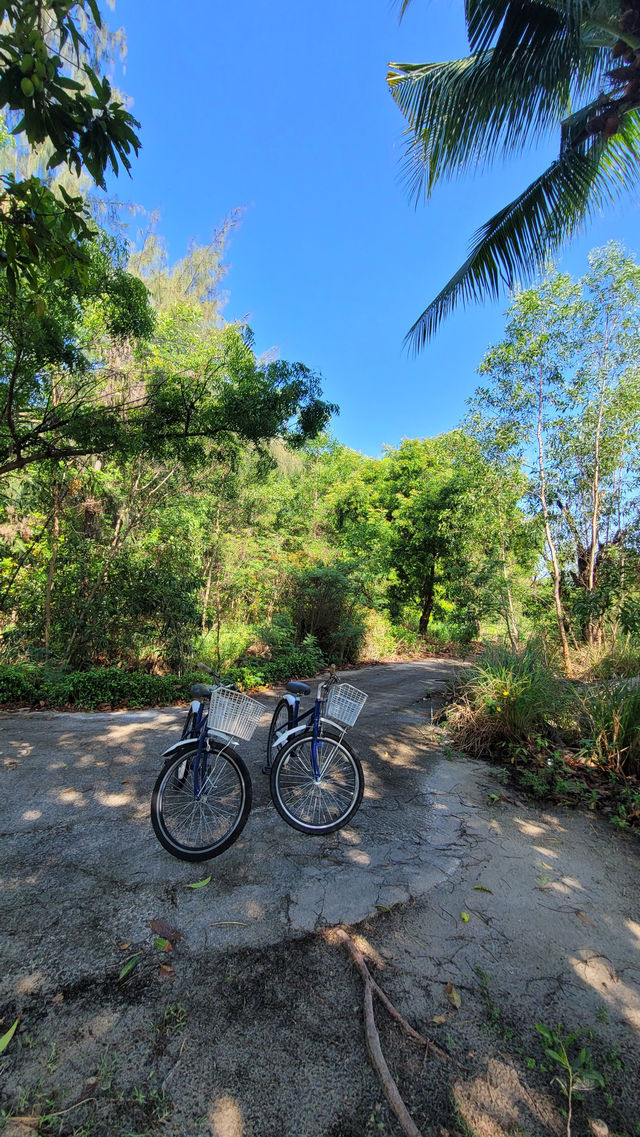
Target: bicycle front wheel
[
  {"x": 197, "y": 828},
  {"x": 322, "y": 805}
]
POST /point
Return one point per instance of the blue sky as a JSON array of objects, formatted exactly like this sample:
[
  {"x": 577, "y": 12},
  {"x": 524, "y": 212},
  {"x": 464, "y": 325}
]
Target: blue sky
[{"x": 281, "y": 109}]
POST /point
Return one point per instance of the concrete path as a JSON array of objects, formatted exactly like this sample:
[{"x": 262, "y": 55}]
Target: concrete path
[{"x": 81, "y": 861}]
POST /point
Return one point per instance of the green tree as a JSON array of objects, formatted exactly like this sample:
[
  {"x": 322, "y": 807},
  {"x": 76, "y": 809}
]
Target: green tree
[
  {"x": 564, "y": 397},
  {"x": 58, "y": 396},
  {"x": 534, "y": 66},
  {"x": 448, "y": 536},
  {"x": 72, "y": 110}
]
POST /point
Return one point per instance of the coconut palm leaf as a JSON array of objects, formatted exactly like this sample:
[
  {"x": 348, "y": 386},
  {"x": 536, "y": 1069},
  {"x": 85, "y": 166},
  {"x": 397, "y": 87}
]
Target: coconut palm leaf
[
  {"x": 519, "y": 237},
  {"x": 465, "y": 113},
  {"x": 534, "y": 65}
]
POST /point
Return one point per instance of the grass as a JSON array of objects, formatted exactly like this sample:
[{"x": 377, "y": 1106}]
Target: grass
[
  {"x": 505, "y": 700},
  {"x": 573, "y": 743},
  {"x": 609, "y": 721}
]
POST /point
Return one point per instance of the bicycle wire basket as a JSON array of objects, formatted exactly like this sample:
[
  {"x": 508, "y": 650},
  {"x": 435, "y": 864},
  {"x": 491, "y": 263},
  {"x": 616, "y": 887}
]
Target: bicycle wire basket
[
  {"x": 233, "y": 713},
  {"x": 344, "y": 703}
]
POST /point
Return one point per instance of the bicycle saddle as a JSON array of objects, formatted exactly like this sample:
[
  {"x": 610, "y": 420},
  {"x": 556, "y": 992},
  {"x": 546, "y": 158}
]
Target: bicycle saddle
[
  {"x": 199, "y": 691},
  {"x": 298, "y": 688}
]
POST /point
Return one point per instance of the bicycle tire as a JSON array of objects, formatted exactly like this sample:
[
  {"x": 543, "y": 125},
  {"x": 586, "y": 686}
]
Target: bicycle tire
[
  {"x": 188, "y": 723},
  {"x": 316, "y": 807},
  {"x": 199, "y": 829},
  {"x": 282, "y": 719}
]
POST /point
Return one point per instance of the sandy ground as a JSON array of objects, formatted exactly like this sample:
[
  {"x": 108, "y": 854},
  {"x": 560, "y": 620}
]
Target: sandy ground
[{"x": 480, "y": 915}]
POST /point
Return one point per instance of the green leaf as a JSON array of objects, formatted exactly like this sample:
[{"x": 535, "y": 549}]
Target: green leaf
[
  {"x": 129, "y": 966},
  {"x": 464, "y": 916},
  {"x": 481, "y": 888},
  {"x": 6, "y": 1038},
  {"x": 200, "y": 883}
]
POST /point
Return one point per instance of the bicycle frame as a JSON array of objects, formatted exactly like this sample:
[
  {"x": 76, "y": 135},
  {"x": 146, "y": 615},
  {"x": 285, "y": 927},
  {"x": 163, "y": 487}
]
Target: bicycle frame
[
  {"x": 300, "y": 722},
  {"x": 199, "y": 732}
]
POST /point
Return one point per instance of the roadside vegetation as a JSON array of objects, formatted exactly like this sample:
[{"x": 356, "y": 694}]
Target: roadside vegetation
[{"x": 567, "y": 741}]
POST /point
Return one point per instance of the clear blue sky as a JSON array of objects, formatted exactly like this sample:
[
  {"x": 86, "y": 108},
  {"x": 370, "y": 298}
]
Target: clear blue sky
[{"x": 282, "y": 109}]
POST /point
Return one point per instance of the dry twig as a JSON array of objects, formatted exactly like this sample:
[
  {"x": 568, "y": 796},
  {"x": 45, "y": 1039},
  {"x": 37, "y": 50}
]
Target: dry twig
[{"x": 389, "y": 1086}]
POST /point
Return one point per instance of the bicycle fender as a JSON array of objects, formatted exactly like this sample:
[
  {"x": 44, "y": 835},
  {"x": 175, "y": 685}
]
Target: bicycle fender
[
  {"x": 291, "y": 700},
  {"x": 177, "y": 747}
]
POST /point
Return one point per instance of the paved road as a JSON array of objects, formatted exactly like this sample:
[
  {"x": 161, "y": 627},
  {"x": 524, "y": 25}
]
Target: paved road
[{"x": 81, "y": 862}]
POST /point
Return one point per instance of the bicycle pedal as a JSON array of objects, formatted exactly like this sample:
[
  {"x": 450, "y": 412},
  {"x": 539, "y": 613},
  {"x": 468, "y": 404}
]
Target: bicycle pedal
[{"x": 266, "y": 769}]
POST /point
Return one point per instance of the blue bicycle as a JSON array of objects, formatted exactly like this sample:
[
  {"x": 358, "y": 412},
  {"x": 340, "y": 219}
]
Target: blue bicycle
[
  {"x": 316, "y": 780},
  {"x": 202, "y": 798}
]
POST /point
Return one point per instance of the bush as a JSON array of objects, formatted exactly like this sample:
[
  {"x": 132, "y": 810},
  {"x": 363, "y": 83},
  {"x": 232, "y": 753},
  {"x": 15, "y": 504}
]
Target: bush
[
  {"x": 20, "y": 683},
  {"x": 323, "y": 603},
  {"x": 507, "y": 699},
  {"x": 28, "y": 685},
  {"x": 224, "y": 652},
  {"x": 609, "y": 718},
  {"x": 294, "y": 663},
  {"x": 32, "y": 686}
]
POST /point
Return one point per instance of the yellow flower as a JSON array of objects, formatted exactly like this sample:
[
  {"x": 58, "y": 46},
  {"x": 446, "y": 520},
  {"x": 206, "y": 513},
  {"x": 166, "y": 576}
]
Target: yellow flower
[
  {"x": 498, "y": 708},
  {"x": 505, "y": 693}
]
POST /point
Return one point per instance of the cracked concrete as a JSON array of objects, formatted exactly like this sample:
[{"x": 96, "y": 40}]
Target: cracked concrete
[
  {"x": 531, "y": 914},
  {"x": 76, "y": 827}
]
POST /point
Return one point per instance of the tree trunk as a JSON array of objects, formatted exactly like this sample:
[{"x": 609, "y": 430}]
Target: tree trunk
[
  {"x": 51, "y": 568},
  {"x": 555, "y": 565},
  {"x": 427, "y": 599}
]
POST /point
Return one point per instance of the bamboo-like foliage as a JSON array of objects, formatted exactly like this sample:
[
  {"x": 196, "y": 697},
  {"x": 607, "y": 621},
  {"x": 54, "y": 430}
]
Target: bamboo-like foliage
[{"x": 531, "y": 64}]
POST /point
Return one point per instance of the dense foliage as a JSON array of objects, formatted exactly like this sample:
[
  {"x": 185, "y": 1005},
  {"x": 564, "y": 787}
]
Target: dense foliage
[{"x": 169, "y": 496}]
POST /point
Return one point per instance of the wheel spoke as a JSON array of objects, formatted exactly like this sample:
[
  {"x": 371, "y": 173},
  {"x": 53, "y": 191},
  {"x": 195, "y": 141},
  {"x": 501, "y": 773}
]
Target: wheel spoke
[
  {"x": 202, "y": 822},
  {"x": 316, "y": 804}
]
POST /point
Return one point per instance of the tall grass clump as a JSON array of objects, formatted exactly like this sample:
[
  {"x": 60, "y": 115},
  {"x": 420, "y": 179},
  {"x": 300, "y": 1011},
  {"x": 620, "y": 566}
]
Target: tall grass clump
[
  {"x": 508, "y": 699},
  {"x": 609, "y": 718}
]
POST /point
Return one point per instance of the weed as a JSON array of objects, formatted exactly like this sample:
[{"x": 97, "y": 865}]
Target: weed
[
  {"x": 151, "y": 1101},
  {"x": 578, "y": 1074},
  {"x": 174, "y": 1020},
  {"x": 106, "y": 1069},
  {"x": 507, "y": 700},
  {"x": 494, "y": 1013}
]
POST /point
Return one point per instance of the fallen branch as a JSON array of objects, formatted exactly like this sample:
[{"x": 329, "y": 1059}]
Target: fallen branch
[
  {"x": 389, "y": 1086},
  {"x": 360, "y": 962}
]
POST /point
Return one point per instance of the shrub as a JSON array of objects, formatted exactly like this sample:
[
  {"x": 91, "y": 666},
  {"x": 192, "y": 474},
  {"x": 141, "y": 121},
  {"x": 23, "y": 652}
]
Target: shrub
[
  {"x": 294, "y": 663},
  {"x": 20, "y": 683},
  {"x": 28, "y": 685},
  {"x": 507, "y": 699},
  {"x": 323, "y": 603},
  {"x": 609, "y": 717}
]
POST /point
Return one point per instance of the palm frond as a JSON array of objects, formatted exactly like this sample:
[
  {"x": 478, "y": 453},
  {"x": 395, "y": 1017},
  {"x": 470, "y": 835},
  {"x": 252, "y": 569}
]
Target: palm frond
[
  {"x": 509, "y": 24},
  {"x": 514, "y": 243},
  {"x": 463, "y": 113}
]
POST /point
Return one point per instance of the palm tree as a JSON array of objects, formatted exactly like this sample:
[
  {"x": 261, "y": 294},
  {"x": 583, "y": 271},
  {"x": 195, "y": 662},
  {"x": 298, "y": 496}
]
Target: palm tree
[{"x": 530, "y": 63}]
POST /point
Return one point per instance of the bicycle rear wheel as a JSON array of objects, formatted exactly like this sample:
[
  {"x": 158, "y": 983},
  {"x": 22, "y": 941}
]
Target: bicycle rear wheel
[
  {"x": 282, "y": 720},
  {"x": 189, "y": 722},
  {"x": 320, "y": 806},
  {"x": 199, "y": 828}
]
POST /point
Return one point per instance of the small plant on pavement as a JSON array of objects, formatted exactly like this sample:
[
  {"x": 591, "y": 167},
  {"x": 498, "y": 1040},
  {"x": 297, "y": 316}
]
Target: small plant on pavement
[{"x": 578, "y": 1074}]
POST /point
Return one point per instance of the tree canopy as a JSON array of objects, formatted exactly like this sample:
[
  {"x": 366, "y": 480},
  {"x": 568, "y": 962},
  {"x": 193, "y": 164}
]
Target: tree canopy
[{"x": 53, "y": 95}]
